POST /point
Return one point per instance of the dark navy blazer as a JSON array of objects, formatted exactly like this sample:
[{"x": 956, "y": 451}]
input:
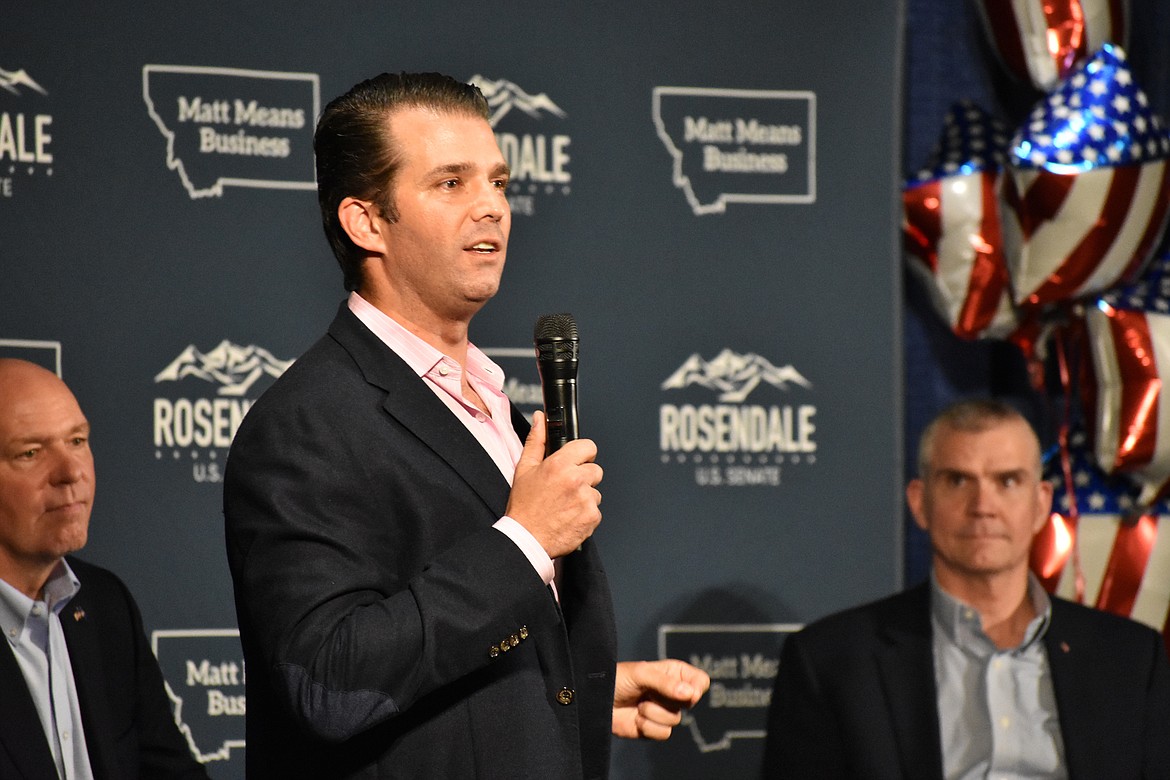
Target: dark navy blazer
[
  {"x": 389, "y": 631},
  {"x": 855, "y": 695},
  {"x": 130, "y": 731}
]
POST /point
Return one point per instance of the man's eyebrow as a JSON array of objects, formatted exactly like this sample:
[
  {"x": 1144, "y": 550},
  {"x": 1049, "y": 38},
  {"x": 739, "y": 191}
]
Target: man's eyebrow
[
  {"x": 39, "y": 437},
  {"x": 449, "y": 168},
  {"x": 500, "y": 169},
  {"x": 951, "y": 471}
]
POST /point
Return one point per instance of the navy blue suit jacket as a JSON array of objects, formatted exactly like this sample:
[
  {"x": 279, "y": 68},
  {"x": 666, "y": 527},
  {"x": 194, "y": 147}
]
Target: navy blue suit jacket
[
  {"x": 855, "y": 695},
  {"x": 389, "y": 631},
  {"x": 130, "y": 731}
]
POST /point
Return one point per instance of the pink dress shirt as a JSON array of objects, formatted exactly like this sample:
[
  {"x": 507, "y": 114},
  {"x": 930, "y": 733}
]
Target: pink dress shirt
[{"x": 494, "y": 432}]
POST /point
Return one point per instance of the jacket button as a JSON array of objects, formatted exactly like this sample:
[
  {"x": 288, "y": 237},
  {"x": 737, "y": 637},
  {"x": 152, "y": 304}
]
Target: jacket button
[
  {"x": 523, "y": 632},
  {"x": 494, "y": 652},
  {"x": 565, "y": 696}
]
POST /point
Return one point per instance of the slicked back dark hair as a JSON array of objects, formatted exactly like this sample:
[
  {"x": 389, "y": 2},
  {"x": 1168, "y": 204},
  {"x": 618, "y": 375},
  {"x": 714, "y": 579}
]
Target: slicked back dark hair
[{"x": 357, "y": 156}]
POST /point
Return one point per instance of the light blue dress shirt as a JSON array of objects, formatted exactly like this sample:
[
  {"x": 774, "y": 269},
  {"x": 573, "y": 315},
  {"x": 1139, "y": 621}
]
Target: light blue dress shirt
[
  {"x": 33, "y": 630},
  {"x": 997, "y": 709}
]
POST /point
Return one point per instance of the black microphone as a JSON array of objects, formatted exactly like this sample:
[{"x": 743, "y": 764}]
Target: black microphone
[{"x": 556, "y": 343}]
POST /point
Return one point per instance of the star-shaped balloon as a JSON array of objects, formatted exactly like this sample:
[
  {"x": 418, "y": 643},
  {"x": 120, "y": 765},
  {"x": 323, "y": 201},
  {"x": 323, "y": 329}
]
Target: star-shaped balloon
[
  {"x": 1087, "y": 190},
  {"x": 1129, "y": 337},
  {"x": 951, "y": 225}
]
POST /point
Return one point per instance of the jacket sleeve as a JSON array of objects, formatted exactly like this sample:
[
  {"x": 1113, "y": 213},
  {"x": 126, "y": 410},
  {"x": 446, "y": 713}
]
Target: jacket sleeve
[
  {"x": 803, "y": 739},
  {"x": 163, "y": 752},
  {"x": 1156, "y": 754},
  {"x": 130, "y": 728}
]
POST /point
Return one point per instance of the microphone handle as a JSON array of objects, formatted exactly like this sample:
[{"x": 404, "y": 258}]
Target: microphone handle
[{"x": 560, "y": 409}]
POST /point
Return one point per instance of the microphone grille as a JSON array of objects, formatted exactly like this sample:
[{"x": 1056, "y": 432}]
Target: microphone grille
[{"x": 556, "y": 327}]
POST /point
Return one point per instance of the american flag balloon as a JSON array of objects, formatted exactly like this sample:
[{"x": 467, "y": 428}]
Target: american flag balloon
[
  {"x": 1095, "y": 549},
  {"x": 1040, "y": 41},
  {"x": 1129, "y": 338},
  {"x": 951, "y": 225},
  {"x": 1086, "y": 193}
]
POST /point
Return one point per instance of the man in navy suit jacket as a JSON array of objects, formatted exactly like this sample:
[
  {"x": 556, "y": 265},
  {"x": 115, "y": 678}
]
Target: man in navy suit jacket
[
  {"x": 391, "y": 539},
  {"x": 81, "y": 694},
  {"x": 977, "y": 673}
]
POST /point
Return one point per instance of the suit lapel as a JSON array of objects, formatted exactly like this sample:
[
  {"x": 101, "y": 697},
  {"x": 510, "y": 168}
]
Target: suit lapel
[
  {"x": 79, "y": 623},
  {"x": 906, "y": 663},
  {"x": 1077, "y": 726},
  {"x": 21, "y": 735},
  {"x": 415, "y": 406}
]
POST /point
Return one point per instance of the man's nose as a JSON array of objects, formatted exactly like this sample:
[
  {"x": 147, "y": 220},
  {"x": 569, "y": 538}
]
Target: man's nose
[
  {"x": 490, "y": 203},
  {"x": 68, "y": 467},
  {"x": 983, "y": 496}
]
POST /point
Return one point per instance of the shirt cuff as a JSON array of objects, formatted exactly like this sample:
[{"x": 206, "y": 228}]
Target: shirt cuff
[{"x": 529, "y": 546}]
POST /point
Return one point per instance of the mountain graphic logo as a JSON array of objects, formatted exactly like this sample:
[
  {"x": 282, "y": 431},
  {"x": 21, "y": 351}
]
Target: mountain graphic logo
[
  {"x": 503, "y": 95},
  {"x": 11, "y": 81},
  {"x": 733, "y": 376},
  {"x": 233, "y": 367}
]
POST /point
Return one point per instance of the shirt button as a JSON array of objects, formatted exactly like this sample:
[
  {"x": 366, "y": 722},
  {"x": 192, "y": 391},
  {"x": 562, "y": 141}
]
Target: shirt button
[
  {"x": 1005, "y": 721},
  {"x": 65, "y": 735},
  {"x": 443, "y": 370},
  {"x": 565, "y": 696},
  {"x": 479, "y": 417}
]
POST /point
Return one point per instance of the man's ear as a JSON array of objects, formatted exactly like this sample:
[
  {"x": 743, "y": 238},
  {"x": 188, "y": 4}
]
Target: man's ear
[
  {"x": 1044, "y": 492},
  {"x": 915, "y": 499},
  {"x": 360, "y": 220}
]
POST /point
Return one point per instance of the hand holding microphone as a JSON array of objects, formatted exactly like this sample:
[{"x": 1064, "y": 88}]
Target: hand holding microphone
[{"x": 554, "y": 492}]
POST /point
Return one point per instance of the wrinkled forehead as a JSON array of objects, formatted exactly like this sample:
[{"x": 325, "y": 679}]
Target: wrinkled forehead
[{"x": 992, "y": 444}]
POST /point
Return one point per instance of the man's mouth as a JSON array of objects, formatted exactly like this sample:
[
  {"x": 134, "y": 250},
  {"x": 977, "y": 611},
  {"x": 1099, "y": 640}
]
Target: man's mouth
[
  {"x": 985, "y": 535},
  {"x": 68, "y": 506}
]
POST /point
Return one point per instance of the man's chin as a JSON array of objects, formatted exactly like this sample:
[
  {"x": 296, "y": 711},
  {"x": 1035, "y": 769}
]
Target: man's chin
[
  {"x": 982, "y": 565},
  {"x": 476, "y": 299},
  {"x": 71, "y": 543}
]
